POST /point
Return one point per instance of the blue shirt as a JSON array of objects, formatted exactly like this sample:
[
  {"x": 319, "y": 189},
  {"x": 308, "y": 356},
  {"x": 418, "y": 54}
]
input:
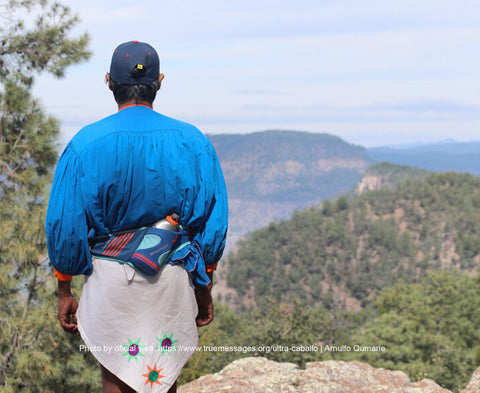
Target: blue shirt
[{"x": 130, "y": 170}]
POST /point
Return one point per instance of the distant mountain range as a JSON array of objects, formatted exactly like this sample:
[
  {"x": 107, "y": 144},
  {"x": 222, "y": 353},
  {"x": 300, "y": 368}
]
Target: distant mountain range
[
  {"x": 440, "y": 157},
  {"x": 271, "y": 174}
]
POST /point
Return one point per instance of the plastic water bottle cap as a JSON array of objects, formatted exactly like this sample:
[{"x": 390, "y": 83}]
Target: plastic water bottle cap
[{"x": 173, "y": 219}]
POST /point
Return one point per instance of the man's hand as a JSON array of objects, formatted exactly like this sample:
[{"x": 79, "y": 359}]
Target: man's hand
[
  {"x": 205, "y": 303},
  {"x": 205, "y": 306},
  {"x": 67, "y": 308}
]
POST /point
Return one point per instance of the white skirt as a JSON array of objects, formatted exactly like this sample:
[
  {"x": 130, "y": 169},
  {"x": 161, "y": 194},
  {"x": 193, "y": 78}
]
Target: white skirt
[{"x": 140, "y": 328}]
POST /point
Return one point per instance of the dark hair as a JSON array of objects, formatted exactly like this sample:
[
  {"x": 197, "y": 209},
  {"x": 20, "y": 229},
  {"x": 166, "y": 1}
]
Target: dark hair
[{"x": 124, "y": 93}]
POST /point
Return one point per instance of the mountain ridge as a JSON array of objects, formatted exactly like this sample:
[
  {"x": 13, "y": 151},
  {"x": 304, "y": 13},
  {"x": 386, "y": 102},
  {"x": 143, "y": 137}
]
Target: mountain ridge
[{"x": 271, "y": 173}]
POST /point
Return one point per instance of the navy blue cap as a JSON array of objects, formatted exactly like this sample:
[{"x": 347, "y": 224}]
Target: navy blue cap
[{"x": 135, "y": 63}]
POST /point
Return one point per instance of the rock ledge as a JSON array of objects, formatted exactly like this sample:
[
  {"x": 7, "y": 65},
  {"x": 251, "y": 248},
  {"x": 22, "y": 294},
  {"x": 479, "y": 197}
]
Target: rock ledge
[{"x": 260, "y": 375}]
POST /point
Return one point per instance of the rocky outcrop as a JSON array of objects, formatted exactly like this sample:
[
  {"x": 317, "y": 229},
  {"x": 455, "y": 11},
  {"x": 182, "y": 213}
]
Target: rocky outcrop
[
  {"x": 255, "y": 375},
  {"x": 370, "y": 182},
  {"x": 387, "y": 176},
  {"x": 474, "y": 385}
]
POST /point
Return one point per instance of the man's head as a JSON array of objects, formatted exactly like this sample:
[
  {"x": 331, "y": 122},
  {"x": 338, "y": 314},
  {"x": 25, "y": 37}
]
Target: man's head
[{"x": 134, "y": 73}]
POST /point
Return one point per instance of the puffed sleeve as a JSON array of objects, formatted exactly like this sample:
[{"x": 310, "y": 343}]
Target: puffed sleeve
[
  {"x": 208, "y": 216},
  {"x": 66, "y": 224},
  {"x": 212, "y": 238}
]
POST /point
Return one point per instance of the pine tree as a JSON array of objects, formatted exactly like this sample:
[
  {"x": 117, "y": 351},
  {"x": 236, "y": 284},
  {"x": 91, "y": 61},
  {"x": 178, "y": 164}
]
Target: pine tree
[
  {"x": 34, "y": 353},
  {"x": 429, "y": 329}
]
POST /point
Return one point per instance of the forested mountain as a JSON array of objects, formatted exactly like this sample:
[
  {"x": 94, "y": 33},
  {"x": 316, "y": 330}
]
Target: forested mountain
[
  {"x": 271, "y": 173},
  {"x": 340, "y": 253},
  {"x": 388, "y": 277}
]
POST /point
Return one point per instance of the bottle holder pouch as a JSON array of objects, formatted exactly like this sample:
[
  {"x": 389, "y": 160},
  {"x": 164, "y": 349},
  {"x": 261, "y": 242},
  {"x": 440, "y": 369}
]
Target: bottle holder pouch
[{"x": 146, "y": 249}]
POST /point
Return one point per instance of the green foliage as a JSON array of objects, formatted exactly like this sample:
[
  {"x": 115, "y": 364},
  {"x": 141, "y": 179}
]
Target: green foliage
[
  {"x": 429, "y": 329},
  {"x": 27, "y": 143},
  {"x": 43, "y": 45},
  {"x": 222, "y": 332},
  {"x": 347, "y": 249},
  {"x": 279, "y": 332},
  {"x": 393, "y": 174},
  {"x": 341, "y": 203},
  {"x": 35, "y": 354}
]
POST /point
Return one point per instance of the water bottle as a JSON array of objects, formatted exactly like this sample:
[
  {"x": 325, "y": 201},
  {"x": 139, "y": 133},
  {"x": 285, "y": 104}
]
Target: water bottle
[{"x": 170, "y": 223}]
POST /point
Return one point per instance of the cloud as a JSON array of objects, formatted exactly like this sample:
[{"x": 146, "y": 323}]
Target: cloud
[
  {"x": 311, "y": 63},
  {"x": 436, "y": 107}
]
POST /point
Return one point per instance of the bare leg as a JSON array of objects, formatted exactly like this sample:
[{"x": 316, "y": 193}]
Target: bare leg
[
  {"x": 111, "y": 384},
  {"x": 173, "y": 389}
]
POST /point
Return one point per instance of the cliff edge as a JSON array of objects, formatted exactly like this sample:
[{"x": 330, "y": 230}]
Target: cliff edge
[{"x": 255, "y": 375}]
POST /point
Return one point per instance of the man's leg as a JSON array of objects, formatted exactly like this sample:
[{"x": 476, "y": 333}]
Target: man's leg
[{"x": 111, "y": 384}]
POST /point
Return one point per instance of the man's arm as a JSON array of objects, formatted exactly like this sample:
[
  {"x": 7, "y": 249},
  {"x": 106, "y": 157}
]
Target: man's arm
[
  {"x": 214, "y": 204},
  {"x": 67, "y": 307},
  {"x": 211, "y": 237},
  {"x": 66, "y": 227},
  {"x": 205, "y": 302}
]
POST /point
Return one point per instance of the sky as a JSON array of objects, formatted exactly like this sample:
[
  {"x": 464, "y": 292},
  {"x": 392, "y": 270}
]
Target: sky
[{"x": 373, "y": 72}]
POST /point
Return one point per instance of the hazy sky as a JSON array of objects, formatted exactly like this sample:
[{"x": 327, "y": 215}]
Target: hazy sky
[{"x": 373, "y": 72}]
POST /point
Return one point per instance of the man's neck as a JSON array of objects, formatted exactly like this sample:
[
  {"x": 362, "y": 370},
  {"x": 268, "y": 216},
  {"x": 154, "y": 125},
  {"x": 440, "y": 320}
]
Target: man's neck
[{"x": 133, "y": 102}]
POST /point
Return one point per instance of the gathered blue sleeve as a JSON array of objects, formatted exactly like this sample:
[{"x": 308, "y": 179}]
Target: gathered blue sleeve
[
  {"x": 212, "y": 238},
  {"x": 66, "y": 223},
  {"x": 208, "y": 214}
]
